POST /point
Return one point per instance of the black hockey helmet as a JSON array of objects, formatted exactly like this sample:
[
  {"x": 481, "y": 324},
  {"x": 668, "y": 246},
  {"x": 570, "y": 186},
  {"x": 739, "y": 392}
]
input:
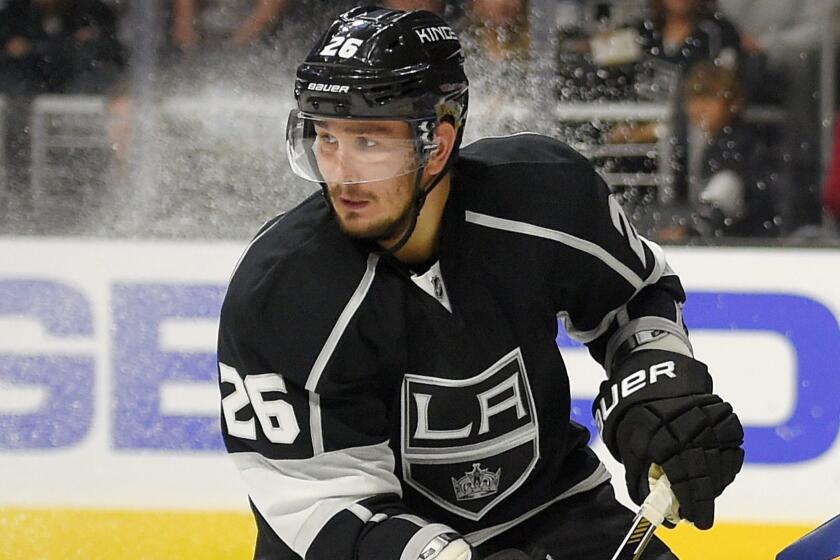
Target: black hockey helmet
[
  {"x": 379, "y": 64},
  {"x": 394, "y": 65}
]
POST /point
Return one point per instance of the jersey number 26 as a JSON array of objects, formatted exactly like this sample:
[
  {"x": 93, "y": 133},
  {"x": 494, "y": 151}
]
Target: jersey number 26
[{"x": 276, "y": 417}]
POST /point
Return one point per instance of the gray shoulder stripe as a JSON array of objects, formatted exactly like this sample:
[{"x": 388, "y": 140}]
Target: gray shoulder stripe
[
  {"x": 575, "y": 242},
  {"x": 298, "y": 497},
  {"x": 343, "y": 320}
]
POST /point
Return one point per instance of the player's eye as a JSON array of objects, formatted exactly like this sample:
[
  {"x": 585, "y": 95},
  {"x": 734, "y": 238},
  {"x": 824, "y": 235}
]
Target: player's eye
[
  {"x": 365, "y": 143},
  {"x": 325, "y": 142},
  {"x": 326, "y": 138}
]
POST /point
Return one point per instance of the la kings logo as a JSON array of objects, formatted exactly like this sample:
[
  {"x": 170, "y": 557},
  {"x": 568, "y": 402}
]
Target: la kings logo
[
  {"x": 476, "y": 484},
  {"x": 467, "y": 444}
]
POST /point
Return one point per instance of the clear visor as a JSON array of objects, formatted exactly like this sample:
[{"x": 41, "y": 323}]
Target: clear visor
[{"x": 349, "y": 151}]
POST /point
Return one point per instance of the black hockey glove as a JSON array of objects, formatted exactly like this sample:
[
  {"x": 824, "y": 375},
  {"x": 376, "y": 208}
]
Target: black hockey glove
[{"x": 658, "y": 409}]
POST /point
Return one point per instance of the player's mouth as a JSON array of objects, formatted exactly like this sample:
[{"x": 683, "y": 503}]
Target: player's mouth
[{"x": 353, "y": 204}]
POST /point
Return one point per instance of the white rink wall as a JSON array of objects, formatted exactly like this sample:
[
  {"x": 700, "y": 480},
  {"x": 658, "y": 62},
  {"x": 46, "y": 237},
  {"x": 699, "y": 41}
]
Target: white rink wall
[{"x": 108, "y": 395}]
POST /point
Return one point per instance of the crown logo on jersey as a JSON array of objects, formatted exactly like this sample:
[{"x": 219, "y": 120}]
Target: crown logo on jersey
[{"x": 476, "y": 483}]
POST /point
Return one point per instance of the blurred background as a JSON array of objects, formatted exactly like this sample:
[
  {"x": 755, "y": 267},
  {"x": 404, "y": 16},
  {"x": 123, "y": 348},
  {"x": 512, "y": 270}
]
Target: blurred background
[
  {"x": 142, "y": 144},
  {"x": 712, "y": 118}
]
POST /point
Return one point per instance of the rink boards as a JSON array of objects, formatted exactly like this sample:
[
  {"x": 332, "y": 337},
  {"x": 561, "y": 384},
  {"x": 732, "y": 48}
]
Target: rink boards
[{"x": 109, "y": 441}]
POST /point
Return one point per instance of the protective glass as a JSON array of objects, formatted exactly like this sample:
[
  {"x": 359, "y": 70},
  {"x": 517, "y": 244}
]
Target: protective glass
[{"x": 351, "y": 151}]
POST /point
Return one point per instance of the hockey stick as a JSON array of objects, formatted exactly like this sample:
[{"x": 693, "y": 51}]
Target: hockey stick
[{"x": 650, "y": 516}]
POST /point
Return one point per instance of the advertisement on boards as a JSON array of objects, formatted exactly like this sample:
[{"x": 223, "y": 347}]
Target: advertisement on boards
[{"x": 109, "y": 398}]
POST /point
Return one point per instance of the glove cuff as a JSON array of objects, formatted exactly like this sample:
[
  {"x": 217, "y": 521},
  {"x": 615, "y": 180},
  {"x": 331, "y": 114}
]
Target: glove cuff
[
  {"x": 645, "y": 376},
  {"x": 446, "y": 546}
]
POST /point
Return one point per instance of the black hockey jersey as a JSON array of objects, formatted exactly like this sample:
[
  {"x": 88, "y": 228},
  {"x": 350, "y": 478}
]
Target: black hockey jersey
[{"x": 370, "y": 408}]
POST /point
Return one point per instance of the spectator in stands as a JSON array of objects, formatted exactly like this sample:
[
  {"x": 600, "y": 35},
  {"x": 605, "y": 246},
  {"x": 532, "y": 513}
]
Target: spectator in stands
[
  {"x": 218, "y": 22},
  {"x": 678, "y": 35},
  {"x": 234, "y": 41},
  {"x": 788, "y": 35},
  {"x": 501, "y": 27},
  {"x": 726, "y": 195},
  {"x": 684, "y": 32},
  {"x": 58, "y": 46},
  {"x": 220, "y": 42},
  {"x": 494, "y": 35},
  {"x": 780, "y": 28}
]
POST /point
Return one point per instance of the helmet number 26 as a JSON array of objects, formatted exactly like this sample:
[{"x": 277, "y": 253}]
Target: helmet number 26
[{"x": 343, "y": 46}]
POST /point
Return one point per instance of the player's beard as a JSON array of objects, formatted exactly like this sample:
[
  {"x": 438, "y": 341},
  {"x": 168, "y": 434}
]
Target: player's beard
[{"x": 385, "y": 230}]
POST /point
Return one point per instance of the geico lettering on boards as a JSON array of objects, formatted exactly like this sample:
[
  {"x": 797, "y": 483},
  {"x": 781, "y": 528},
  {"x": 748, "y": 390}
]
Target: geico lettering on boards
[{"x": 129, "y": 353}]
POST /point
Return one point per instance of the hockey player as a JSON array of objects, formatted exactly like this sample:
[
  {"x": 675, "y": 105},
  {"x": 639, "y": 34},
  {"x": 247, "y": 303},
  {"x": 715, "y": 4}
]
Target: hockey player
[{"x": 392, "y": 387}]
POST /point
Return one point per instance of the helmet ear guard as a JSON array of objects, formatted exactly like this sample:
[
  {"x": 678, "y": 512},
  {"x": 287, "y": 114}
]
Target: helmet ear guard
[{"x": 425, "y": 137}]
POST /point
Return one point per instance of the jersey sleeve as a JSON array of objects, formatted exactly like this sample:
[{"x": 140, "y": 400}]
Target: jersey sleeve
[
  {"x": 614, "y": 289},
  {"x": 305, "y": 423}
]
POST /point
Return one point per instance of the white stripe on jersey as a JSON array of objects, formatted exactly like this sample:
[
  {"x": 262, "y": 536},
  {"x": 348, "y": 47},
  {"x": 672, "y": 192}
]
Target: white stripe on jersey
[
  {"x": 316, "y": 432},
  {"x": 329, "y": 347},
  {"x": 520, "y": 133},
  {"x": 297, "y": 497},
  {"x": 575, "y": 242},
  {"x": 360, "y": 511},
  {"x": 251, "y": 244},
  {"x": 343, "y": 320},
  {"x": 660, "y": 265}
]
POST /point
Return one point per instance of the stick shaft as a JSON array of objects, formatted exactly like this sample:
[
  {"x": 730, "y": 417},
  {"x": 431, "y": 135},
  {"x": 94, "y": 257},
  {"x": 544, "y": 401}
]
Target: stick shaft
[{"x": 649, "y": 517}]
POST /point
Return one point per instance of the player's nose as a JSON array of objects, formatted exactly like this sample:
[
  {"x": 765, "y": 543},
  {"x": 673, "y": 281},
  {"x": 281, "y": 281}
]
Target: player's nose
[{"x": 347, "y": 167}]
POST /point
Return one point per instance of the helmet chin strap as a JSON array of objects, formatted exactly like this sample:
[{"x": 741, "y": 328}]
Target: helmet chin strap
[{"x": 417, "y": 203}]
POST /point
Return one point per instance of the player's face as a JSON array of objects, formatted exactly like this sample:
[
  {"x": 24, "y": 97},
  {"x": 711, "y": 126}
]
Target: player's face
[
  {"x": 368, "y": 167},
  {"x": 711, "y": 113}
]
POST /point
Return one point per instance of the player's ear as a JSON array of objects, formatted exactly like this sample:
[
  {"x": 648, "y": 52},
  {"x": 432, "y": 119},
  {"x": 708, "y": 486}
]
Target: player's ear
[{"x": 445, "y": 139}]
